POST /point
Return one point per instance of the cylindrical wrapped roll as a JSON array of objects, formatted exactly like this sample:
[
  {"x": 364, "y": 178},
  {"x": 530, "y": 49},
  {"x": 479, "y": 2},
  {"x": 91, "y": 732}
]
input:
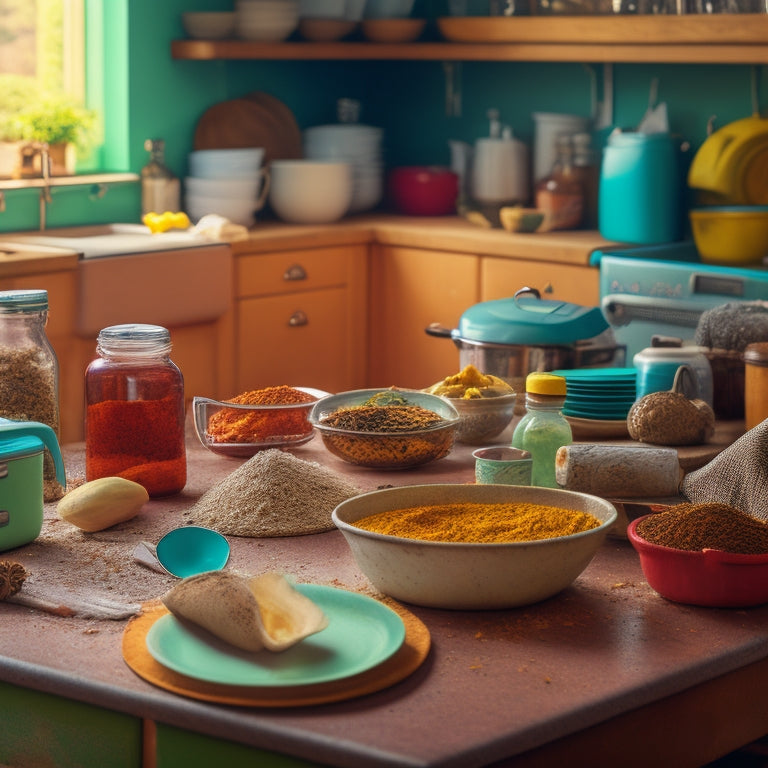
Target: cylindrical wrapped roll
[{"x": 618, "y": 471}]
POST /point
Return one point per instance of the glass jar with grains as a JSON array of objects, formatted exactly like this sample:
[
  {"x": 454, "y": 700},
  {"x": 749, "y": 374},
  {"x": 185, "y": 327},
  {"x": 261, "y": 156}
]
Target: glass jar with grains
[
  {"x": 543, "y": 429},
  {"x": 29, "y": 370},
  {"x": 134, "y": 410}
]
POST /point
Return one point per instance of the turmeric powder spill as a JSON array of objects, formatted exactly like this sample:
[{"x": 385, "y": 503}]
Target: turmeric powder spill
[
  {"x": 480, "y": 523},
  {"x": 238, "y": 425}
]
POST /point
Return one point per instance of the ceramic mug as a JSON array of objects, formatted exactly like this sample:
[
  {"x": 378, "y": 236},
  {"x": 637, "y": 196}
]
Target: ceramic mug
[{"x": 502, "y": 465}]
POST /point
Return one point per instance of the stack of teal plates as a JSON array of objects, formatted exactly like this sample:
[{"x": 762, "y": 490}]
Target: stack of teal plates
[{"x": 606, "y": 394}]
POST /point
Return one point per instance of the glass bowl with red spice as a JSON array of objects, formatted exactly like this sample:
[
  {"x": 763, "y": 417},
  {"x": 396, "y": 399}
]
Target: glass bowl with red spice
[
  {"x": 707, "y": 554},
  {"x": 386, "y": 428},
  {"x": 272, "y": 417}
]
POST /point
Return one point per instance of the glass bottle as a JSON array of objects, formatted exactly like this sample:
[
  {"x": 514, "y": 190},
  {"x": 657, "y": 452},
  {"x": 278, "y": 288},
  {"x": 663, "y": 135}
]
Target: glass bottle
[
  {"x": 586, "y": 169},
  {"x": 134, "y": 410},
  {"x": 29, "y": 370},
  {"x": 160, "y": 191},
  {"x": 560, "y": 196},
  {"x": 543, "y": 429}
]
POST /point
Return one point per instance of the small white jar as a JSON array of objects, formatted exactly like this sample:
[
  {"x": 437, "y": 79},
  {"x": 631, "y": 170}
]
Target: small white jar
[{"x": 657, "y": 366}]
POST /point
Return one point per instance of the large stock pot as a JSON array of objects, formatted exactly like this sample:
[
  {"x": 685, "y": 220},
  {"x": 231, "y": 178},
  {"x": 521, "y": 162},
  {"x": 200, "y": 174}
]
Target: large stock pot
[{"x": 513, "y": 337}]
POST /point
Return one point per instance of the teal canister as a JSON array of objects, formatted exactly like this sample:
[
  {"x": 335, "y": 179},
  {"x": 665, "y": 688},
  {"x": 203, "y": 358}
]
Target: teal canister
[
  {"x": 640, "y": 193},
  {"x": 21, "y": 479}
]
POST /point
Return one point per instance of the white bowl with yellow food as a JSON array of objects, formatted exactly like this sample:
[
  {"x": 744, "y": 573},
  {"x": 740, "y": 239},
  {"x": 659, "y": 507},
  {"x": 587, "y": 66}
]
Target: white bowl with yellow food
[
  {"x": 416, "y": 561},
  {"x": 486, "y": 404}
]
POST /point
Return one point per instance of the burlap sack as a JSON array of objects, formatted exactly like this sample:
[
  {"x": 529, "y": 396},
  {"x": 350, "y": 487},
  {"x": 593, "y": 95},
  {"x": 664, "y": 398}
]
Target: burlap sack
[{"x": 738, "y": 476}]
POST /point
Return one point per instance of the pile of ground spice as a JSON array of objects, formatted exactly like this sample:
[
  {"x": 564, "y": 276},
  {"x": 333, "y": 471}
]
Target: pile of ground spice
[
  {"x": 710, "y": 525},
  {"x": 480, "y": 523},
  {"x": 274, "y": 493},
  {"x": 382, "y": 418}
]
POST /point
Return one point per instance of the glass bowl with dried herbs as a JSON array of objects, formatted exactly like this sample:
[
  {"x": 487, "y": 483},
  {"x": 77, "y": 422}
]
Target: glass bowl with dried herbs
[
  {"x": 386, "y": 428},
  {"x": 272, "y": 417}
]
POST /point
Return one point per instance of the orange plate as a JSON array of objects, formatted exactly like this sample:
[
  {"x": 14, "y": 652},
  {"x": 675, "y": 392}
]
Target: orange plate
[{"x": 403, "y": 663}]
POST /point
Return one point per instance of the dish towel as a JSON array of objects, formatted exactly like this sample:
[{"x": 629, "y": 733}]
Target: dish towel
[{"x": 738, "y": 476}]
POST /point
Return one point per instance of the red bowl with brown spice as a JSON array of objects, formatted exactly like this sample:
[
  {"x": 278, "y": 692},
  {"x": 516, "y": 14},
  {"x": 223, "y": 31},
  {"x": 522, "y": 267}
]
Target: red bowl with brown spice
[
  {"x": 707, "y": 577},
  {"x": 241, "y": 429}
]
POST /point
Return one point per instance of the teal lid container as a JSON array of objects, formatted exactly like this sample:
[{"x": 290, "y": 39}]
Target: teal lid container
[
  {"x": 21, "y": 491},
  {"x": 22, "y": 444},
  {"x": 641, "y": 189}
]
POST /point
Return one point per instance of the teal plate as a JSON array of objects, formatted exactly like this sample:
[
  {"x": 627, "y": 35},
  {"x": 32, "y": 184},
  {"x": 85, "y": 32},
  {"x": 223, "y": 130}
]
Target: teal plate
[{"x": 361, "y": 634}]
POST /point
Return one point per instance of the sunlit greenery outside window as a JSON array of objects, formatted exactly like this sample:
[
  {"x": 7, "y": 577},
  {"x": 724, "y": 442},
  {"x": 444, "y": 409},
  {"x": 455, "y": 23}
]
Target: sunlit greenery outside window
[{"x": 42, "y": 75}]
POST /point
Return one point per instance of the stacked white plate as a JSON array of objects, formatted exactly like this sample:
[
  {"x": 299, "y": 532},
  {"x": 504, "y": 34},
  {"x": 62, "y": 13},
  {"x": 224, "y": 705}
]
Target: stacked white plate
[
  {"x": 360, "y": 147},
  {"x": 267, "y": 21},
  {"x": 228, "y": 182}
]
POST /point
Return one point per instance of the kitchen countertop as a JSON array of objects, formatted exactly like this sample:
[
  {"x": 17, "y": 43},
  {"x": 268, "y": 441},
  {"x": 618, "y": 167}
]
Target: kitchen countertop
[
  {"x": 567, "y": 680},
  {"x": 448, "y": 233}
]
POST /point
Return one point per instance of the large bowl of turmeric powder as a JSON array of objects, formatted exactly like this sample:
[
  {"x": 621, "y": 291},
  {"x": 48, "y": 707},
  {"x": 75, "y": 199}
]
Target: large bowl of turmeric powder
[
  {"x": 708, "y": 554},
  {"x": 472, "y": 547},
  {"x": 386, "y": 428},
  {"x": 272, "y": 417}
]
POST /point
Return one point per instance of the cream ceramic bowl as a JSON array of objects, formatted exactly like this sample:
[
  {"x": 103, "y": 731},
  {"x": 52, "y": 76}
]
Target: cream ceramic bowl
[
  {"x": 209, "y": 25},
  {"x": 310, "y": 191},
  {"x": 471, "y": 576}
]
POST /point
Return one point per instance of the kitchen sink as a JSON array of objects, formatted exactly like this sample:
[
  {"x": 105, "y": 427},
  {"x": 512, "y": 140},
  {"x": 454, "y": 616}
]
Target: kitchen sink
[
  {"x": 101, "y": 240},
  {"x": 128, "y": 275}
]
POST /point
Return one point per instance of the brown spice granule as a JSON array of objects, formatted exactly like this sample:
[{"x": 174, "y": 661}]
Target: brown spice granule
[
  {"x": 273, "y": 494},
  {"x": 29, "y": 392},
  {"x": 710, "y": 525},
  {"x": 382, "y": 418}
]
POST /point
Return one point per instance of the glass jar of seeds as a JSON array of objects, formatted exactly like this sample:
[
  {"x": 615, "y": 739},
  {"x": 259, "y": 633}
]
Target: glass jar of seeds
[{"x": 29, "y": 370}]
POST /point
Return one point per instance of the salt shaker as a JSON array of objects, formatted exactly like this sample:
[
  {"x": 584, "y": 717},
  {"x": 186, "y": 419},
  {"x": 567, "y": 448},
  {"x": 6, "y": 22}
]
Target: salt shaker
[
  {"x": 543, "y": 429},
  {"x": 134, "y": 410},
  {"x": 29, "y": 370}
]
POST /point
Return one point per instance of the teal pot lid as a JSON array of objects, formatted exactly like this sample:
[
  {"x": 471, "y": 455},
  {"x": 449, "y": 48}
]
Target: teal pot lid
[
  {"x": 11, "y": 430},
  {"x": 526, "y": 319},
  {"x": 19, "y": 447}
]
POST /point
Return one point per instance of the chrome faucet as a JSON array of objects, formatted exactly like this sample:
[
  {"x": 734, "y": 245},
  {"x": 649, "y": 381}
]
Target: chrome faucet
[{"x": 45, "y": 191}]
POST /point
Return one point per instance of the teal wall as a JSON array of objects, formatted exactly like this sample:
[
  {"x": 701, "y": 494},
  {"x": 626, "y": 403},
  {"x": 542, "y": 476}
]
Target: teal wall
[{"x": 145, "y": 93}]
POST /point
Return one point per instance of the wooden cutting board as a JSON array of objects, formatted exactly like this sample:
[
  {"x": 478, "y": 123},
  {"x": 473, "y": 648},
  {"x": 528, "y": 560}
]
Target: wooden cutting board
[{"x": 258, "y": 120}]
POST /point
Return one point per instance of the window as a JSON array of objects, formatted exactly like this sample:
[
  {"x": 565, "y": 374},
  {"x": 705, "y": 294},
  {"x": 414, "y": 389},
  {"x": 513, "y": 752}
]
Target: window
[{"x": 42, "y": 74}]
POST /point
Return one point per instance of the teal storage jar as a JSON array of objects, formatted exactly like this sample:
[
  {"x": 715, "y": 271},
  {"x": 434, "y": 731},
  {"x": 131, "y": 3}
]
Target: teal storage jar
[
  {"x": 640, "y": 195},
  {"x": 21, "y": 491},
  {"x": 22, "y": 445}
]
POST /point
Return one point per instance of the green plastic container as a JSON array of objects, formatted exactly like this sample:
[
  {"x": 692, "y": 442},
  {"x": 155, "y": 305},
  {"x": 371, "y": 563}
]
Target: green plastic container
[{"x": 21, "y": 479}]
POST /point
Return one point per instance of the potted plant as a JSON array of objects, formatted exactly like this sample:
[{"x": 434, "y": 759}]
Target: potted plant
[{"x": 64, "y": 125}]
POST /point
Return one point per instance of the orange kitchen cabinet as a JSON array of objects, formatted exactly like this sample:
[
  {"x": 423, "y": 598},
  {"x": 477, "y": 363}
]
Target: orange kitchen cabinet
[
  {"x": 62, "y": 293},
  {"x": 412, "y": 288},
  {"x": 300, "y": 318},
  {"x": 575, "y": 283}
]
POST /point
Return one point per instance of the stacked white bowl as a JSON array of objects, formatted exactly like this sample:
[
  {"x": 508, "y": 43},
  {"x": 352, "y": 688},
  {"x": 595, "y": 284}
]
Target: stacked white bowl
[
  {"x": 229, "y": 182},
  {"x": 358, "y": 145},
  {"x": 267, "y": 21}
]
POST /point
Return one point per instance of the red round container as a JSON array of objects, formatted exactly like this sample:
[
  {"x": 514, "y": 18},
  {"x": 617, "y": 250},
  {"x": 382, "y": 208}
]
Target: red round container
[
  {"x": 424, "y": 190},
  {"x": 709, "y": 577}
]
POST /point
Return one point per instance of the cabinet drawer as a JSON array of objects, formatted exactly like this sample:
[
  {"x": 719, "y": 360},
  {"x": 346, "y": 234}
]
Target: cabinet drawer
[
  {"x": 291, "y": 271},
  {"x": 297, "y": 340},
  {"x": 39, "y": 729},
  {"x": 176, "y": 747},
  {"x": 500, "y": 278}
]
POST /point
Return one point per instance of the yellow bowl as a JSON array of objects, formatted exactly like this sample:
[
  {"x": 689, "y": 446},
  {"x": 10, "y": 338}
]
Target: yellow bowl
[{"x": 732, "y": 235}]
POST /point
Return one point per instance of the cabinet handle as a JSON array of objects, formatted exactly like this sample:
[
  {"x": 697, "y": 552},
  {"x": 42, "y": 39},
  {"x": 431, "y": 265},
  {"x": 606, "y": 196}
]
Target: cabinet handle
[
  {"x": 298, "y": 318},
  {"x": 295, "y": 272}
]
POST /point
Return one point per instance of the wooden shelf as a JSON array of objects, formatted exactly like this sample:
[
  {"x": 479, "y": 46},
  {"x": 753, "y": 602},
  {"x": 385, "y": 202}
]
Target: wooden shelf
[{"x": 702, "y": 39}]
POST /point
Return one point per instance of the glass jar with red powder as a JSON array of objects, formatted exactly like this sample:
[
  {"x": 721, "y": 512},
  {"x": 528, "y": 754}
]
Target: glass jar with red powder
[{"x": 134, "y": 410}]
